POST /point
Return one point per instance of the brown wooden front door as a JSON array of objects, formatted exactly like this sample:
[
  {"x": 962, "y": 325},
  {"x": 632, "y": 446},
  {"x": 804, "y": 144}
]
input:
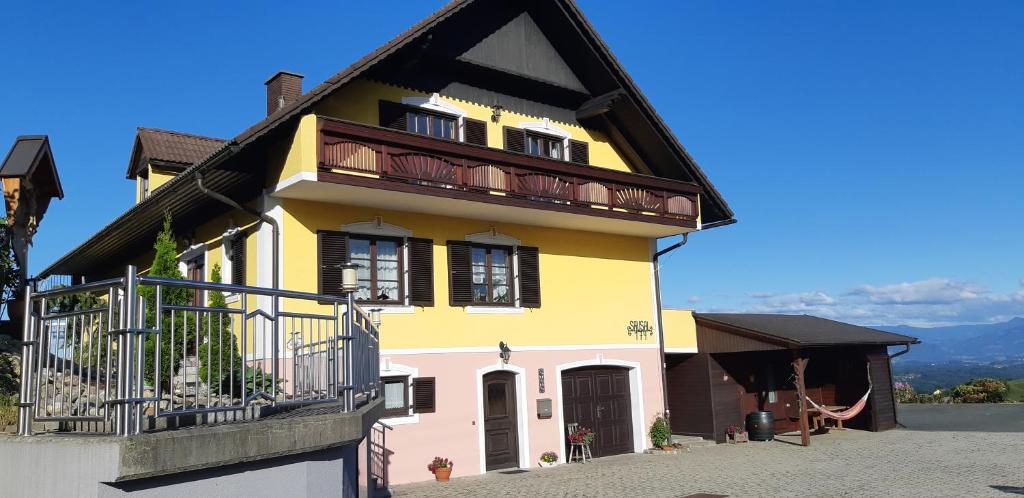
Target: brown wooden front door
[
  {"x": 501, "y": 436},
  {"x": 598, "y": 398}
]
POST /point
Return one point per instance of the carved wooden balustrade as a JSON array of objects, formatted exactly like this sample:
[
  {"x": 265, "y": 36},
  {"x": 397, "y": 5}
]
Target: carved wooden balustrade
[{"x": 434, "y": 166}]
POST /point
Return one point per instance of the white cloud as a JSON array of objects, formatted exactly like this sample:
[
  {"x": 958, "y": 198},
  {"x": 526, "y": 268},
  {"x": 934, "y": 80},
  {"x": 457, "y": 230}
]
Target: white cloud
[
  {"x": 694, "y": 299},
  {"x": 930, "y": 302},
  {"x": 930, "y": 291}
]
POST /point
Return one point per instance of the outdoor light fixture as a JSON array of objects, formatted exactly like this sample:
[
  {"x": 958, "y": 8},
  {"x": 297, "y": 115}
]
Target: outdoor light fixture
[
  {"x": 375, "y": 317},
  {"x": 505, "y": 353},
  {"x": 349, "y": 280},
  {"x": 496, "y": 112}
]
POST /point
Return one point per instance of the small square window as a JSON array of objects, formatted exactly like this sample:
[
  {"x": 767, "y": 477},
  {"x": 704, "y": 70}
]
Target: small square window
[{"x": 396, "y": 396}]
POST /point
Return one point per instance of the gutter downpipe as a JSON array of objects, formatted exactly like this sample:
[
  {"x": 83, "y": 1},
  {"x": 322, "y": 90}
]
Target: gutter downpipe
[
  {"x": 906, "y": 349},
  {"x": 661, "y": 323},
  {"x": 275, "y": 229}
]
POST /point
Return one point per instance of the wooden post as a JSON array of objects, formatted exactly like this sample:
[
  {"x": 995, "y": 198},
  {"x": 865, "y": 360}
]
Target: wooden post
[{"x": 799, "y": 365}]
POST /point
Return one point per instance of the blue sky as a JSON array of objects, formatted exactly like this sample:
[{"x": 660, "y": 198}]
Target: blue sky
[{"x": 873, "y": 151}]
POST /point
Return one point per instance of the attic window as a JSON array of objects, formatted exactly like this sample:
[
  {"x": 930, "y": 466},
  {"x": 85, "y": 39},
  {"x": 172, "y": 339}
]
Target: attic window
[
  {"x": 431, "y": 124},
  {"x": 540, "y": 144}
]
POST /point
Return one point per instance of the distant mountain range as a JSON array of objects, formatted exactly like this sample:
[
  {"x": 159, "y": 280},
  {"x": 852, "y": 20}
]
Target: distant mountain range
[
  {"x": 987, "y": 343},
  {"x": 948, "y": 356}
]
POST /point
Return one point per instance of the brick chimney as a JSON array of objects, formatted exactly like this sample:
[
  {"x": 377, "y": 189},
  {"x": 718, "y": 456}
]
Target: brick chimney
[{"x": 283, "y": 89}]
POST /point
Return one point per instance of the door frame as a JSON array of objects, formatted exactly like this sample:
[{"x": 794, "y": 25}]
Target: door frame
[
  {"x": 523, "y": 435},
  {"x": 636, "y": 398}
]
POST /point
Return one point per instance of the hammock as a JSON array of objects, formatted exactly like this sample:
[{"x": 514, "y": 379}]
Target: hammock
[{"x": 848, "y": 413}]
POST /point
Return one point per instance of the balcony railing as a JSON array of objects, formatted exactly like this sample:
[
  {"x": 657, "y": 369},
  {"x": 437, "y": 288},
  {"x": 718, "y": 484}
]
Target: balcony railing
[
  {"x": 117, "y": 355},
  {"x": 420, "y": 164}
]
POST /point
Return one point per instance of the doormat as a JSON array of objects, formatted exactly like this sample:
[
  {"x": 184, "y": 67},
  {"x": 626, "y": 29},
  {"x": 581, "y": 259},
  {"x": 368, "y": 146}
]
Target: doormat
[{"x": 517, "y": 471}]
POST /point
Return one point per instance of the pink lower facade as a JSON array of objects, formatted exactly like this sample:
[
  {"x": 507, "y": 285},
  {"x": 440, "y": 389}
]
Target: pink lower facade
[{"x": 455, "y": 429}]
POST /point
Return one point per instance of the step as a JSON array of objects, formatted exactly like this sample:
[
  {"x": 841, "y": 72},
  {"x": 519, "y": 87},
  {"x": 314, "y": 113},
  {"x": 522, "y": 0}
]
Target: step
[{"x": 676, "y": 438}]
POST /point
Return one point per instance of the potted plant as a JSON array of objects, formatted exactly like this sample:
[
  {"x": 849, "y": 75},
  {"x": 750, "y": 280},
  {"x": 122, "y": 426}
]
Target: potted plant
[
  {"x": 441, "y": 468},
  {"x": 736, "y": 435},
  {"x": 548, "y": 459},
  {"x": 660, "y": 433}
]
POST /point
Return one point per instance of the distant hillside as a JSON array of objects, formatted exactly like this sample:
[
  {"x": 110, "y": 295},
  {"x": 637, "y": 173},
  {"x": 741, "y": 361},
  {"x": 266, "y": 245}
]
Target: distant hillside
[
  {"x": 926, "y": 377},
  {"x": 988, "y": 343}
]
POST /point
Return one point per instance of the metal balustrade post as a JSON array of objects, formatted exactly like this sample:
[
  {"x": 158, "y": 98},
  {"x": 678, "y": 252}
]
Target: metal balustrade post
[
  {"x": 25, "y": 405},
  {"x": 349, "y": 377},
  {"x": 126, "y": 347},
  {"x": 274, "y": 350}
]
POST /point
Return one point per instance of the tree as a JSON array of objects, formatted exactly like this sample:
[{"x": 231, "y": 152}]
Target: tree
[
  {"x": 219, "y": 358},
  {"x": 165, "y": 264}
]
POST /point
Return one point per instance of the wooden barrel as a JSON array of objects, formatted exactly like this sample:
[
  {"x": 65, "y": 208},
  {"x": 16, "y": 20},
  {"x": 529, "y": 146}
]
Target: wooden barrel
[{"x": 761, "y": 426}]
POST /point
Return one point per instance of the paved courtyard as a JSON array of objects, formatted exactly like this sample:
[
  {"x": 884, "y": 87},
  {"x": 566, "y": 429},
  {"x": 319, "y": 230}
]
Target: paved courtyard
[{"x": 847, "y": 463}]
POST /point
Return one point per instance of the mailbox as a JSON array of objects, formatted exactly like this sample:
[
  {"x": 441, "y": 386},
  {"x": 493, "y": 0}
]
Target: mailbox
[{"x": 544, "y": 408}]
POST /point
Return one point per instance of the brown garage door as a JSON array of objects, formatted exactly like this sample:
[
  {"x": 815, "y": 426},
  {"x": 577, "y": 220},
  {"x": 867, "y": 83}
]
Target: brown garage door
[{"x": 598, "y": 398}]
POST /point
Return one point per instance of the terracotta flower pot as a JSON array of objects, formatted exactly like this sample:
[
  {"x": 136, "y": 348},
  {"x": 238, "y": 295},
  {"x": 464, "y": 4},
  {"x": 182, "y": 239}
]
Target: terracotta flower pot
[{"x": 442, "y": 474}]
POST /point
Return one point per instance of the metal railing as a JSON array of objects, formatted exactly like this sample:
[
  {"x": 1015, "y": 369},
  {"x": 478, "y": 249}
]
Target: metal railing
[{"x": 116, "y": 355}]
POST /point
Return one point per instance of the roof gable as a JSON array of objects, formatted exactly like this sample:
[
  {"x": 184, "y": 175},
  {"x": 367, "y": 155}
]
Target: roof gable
[
  {"x": 520, "y": 47},
  {"x": 171, "y": 149},
  {"x": 28, "y": 153},
  {"x": 611, "y": 102}
]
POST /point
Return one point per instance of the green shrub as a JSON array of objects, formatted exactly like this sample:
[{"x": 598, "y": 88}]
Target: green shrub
[
  {"x": 165, "y": 264},
  {"x": 980, "y": 391},
  {"x": 660, "y": 431}
]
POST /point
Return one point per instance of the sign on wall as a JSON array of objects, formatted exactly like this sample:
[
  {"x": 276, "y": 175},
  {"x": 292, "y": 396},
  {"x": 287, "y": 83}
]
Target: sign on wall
[{"x": 639, "y": 329}]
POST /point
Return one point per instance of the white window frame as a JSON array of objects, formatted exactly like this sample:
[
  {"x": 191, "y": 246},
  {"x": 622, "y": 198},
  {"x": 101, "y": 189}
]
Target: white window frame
[
  {"x": 226, "y": 264},
  {"x": 193, "y": 252},
  {"x": 377, "y": 227},
  {"x": 435, "y": 104},
  {"x": 493, "y": 238},
  {"x": 389, "y": 369},
  {"x": 546, "y": 128}
]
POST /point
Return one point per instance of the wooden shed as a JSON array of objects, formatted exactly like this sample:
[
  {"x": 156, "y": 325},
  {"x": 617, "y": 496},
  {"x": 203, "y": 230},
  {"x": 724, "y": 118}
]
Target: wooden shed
[{"x": 745, "y": 363}]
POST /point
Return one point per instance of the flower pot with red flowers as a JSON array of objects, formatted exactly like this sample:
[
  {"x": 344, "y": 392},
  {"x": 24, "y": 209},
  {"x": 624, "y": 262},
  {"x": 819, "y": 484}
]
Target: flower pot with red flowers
[{"x": 441, "y": 468}]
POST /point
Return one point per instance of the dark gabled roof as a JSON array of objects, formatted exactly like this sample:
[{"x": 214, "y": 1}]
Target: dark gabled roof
[
  {"x": 172, "y": 149},
  {"x": 803, "y": 330},
  {"x": 25, "y": 156}
]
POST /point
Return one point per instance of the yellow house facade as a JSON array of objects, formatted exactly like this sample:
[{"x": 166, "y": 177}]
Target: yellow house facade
[{"x": 503, "y": 204}]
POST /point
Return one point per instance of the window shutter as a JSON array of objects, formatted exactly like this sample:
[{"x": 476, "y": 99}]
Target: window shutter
[
  {"x": 475, "y": 131},
  {"x": 460, "y": 274},
  {"x": 423, "y": 395},
  {"x": 332, "y": 252},
  {"x": 579, "y": 152},
  {"x": 238, "y": 259},
  {"x": 421, "y": 272},
  {"x": 529, "y": 277},
  {"x": 392, "y": 115},
  {"x": 515, "y": 139}
]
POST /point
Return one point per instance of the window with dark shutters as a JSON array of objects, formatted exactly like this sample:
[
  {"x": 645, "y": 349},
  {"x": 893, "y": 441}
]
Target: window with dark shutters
[
  {"x": 332, "y": 252},
  {"x": 392, "y": 115},
  {"x": 421, "y": 272},
  {"x": 529, "y": 277},
  {"x": 475, "y": 131},
  {"x": 579, "y": 152},
  {"x": 460, "y": 274},
  {"x": 423, "y": 395},
  {"x": 238, "y": 259},
  {"x": 515, "y": 139}
]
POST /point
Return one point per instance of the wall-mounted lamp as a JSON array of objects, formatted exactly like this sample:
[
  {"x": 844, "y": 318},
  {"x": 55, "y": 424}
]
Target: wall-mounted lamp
[
  {"x": 349, "y": 279},
  {"x": 506, "y": 353},
  {"x": 496, "y": 112},
  {"x": 375, "y": 317}
]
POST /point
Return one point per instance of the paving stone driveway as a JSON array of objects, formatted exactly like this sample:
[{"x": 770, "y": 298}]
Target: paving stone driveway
[{"x": 848, "y": 463}]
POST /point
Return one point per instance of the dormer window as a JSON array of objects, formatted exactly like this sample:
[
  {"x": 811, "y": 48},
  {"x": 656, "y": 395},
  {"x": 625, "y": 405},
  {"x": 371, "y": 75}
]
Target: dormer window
[
  {"x": 431, "y": 124},
  {"x": 544, "y": 145}
]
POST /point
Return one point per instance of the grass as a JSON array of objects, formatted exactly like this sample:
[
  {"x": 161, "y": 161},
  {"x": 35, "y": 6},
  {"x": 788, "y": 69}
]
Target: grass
[
  {"x": 1016, "y": 390},
  {"x": 8, "y": 411}
]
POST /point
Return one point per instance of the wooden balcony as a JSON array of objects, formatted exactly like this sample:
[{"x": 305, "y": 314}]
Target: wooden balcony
[{"x": 371, "y": 157}]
